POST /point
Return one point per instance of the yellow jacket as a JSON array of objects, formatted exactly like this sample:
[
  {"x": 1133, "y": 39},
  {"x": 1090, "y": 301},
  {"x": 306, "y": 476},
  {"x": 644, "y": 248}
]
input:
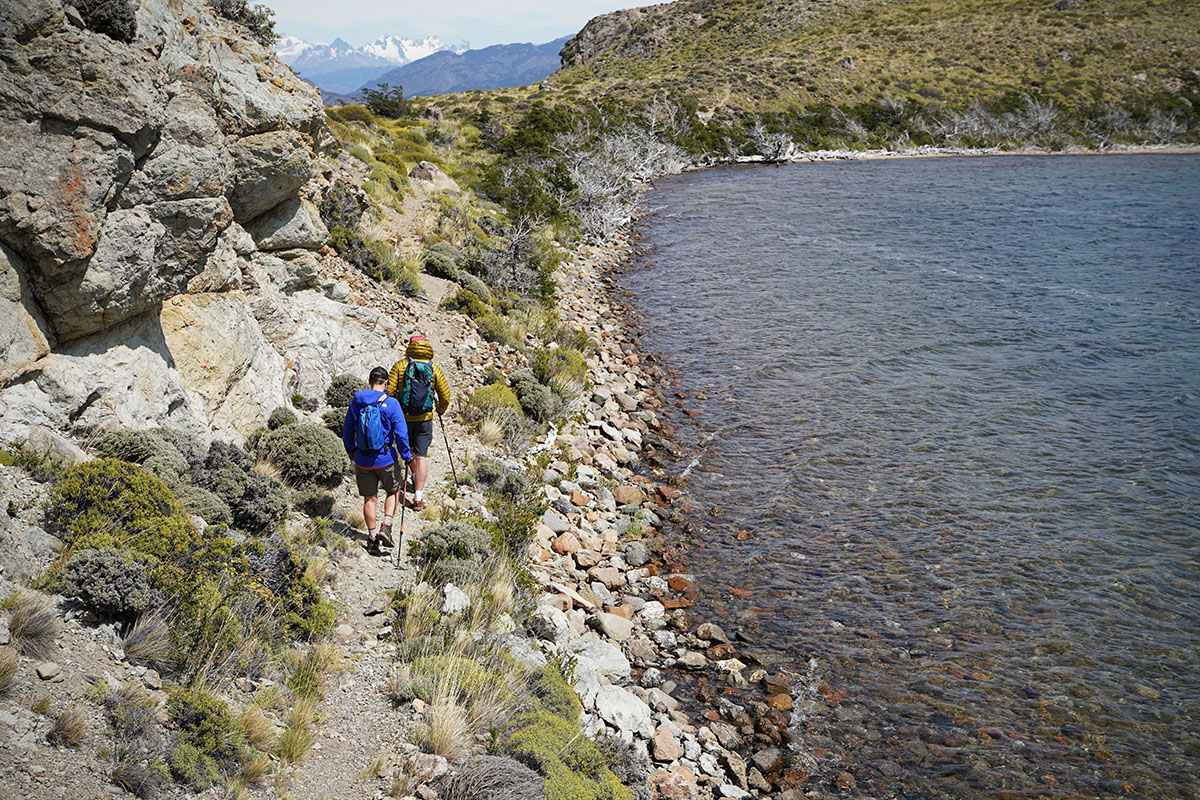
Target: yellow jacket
[{"x": 420, "y": 351}]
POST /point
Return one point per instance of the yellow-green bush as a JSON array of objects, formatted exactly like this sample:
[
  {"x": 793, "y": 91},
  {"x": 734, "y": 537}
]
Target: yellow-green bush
[
  {"x": 495, "y": 395},
  {"x": 107, "y": 502},
  {"x": 560, "y": 361}
]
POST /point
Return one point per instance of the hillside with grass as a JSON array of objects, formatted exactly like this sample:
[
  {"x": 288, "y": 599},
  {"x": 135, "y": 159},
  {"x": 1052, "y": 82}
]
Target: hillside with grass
[{"x": 1091, "y": 67}]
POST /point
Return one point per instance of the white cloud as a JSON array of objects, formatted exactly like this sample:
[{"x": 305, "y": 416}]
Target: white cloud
[{"x": 481, "y": 22}]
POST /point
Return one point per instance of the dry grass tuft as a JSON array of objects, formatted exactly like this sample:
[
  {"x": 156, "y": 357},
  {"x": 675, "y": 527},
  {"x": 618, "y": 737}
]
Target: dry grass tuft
[
  {"x": 69, "y": 728},
  {"x": 493, "y": 777},
  {"x": 9, "y": 664},
  {"x": 255, "y": 765},
  {"x": 43, "y": 705},
  {"x": 258, "y": 727},
  {"x": 136, "y": 777},
  {"x": 270, "y": 470},
  {"x": 33, "y": 625},
  {"x": 491, "y": 430},
  {"x": 294, "y": 743},
  {"x": 375, "y": 766},
  {"x": 446, "y": 730},
  {"x": 355, "y": 519},
  {"x": 149, "y": 642}
]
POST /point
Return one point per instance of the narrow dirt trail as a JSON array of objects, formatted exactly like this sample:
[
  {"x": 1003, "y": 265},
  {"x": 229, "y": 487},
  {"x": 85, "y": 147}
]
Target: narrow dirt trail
[{"x": 359, "y": 722}]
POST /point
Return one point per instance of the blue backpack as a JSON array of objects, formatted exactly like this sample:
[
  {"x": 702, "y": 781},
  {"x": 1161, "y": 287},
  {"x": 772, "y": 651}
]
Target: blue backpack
[{"x": 369, "y": 434}]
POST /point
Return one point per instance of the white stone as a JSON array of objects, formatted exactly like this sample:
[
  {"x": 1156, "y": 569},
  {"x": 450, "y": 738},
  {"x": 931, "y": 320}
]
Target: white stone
[
  {"x": 456, "y": 600},
  {"x": 619, "y": 707}
]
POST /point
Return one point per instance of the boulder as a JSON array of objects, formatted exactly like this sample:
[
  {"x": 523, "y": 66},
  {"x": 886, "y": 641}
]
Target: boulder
[
  {"x": 664, "y": 747},
  {"x": 613, "y": 626},
  {"x": 293, "y": 223},
  {"x": 432, "y": 178},
  {"x": 143, "y": 256},
  {"x": 121, "y": 378},
  {"x": 601, "y": 658},
  {"x": 629, "y": 495},
  {"x": 554, "y": 522},
  {"x": 46, "y": 444},
  {"x": 24, "y": 335},
  {"x": 456, "y": 601},
  {"x": 636, "y": 554},
  {"x": 269, "y": 168},
  {"x": 624, "y": 711}
]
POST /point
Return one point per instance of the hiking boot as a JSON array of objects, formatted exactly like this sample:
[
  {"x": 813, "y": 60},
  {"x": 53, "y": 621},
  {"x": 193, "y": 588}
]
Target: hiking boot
[
  {"x": 385, "y": 536},
  {"x": 373, "y": 547},
  {"x": 418, "y": 505}
]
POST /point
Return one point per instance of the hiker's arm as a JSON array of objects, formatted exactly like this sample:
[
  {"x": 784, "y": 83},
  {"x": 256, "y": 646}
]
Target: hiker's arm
[
  {"x": 443, "y": 389},
  {"x": 400, "y": 432},
  {"x": 348, "y": 432},
  {"x": 395, "y": 375}
]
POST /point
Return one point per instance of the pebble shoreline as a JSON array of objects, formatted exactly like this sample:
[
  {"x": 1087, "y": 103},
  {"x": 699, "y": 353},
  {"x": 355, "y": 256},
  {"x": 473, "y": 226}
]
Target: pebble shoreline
[{"x": 611, "y": 595}]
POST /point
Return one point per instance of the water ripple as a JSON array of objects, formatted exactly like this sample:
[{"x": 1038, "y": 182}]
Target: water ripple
[{"x": 955, "y": 403}]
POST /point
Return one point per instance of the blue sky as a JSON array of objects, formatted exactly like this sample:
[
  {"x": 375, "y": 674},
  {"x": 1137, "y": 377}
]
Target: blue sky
[{"x": 481, "y": 22}]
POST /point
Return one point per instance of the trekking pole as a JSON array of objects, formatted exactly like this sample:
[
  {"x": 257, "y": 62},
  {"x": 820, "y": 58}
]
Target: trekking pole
[
  {"x": 400, "y": 535},
  {"x": 449, "y": 455}
]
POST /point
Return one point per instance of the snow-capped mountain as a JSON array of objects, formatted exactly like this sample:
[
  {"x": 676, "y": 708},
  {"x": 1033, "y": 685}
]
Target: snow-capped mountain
[
  {"x": 340, "y": 67},
  {"x": 399, "y": 50}
]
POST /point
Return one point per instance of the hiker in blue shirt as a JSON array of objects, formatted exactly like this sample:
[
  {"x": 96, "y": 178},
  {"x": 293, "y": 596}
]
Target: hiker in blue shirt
[{"x": 374, "y": 434}]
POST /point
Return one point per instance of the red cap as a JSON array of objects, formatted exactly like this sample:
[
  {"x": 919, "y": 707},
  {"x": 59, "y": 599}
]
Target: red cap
[{"x": 416, "y": 338}]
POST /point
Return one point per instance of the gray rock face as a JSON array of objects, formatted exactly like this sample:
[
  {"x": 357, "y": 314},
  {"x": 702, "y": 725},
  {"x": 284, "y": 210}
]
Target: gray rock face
[
  {"x": 24, "y": 334},
  {"x": 122, "y": 172},
  {"x": 268, "y": 169},
  {"x": 293, "y": 223}
]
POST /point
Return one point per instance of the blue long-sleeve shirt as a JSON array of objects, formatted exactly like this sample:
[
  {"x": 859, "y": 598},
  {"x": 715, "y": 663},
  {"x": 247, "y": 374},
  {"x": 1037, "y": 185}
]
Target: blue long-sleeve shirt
[{"x": 395, "y": 431}]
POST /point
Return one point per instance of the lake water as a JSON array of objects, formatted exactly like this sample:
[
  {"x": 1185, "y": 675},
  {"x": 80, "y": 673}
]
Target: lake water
[{"x": 953, "y": 406}]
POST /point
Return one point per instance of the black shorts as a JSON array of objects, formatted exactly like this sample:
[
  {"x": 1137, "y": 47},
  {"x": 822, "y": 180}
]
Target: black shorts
[{"x": 420, "y": 436}]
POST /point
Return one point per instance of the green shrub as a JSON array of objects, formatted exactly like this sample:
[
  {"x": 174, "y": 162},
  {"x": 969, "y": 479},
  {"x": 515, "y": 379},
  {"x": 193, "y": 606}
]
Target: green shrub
[
  {"x": 151, "y": 450},
  {"x": 455, "y": 539},
  {"x": 281, "y": 418},
  {"x": 467, "y": 302},
  {"x": 204, "y": 504},
  {"x": 494, "y": 329},
  {"x": 306, "y": 455},
  {"x": 110, "y": 583},
  {"x": 334, "y": 419},
  {"x": 495, "y": 395},
  {"x": 353, "y": 249},
  {"x": 342, "y": 389},
  {"x": 559, "y": 361},
  {"x": 258, "y": 19},
  {"x": 256, "y": 501},
  {"x": 392, "y": 160},
  {"x": 114, "y": 502},
  {"x": 476, "y": 286},
  {"x": 191, "y": 766},
  {"x": 440, "y": 265},
  {"x": 549, "y": 739},
  {"x": 536, "y": 398},
  {"x": 502, "y": 480},
  {"x": 407, "y": 283},
  {"x": 493, "y": 374},
  {"x": 205, "y": 723},
  {"x": 340, "y": 205},
  {"x": 351, "y": 112},
  {"x": 314, "y": 502}
]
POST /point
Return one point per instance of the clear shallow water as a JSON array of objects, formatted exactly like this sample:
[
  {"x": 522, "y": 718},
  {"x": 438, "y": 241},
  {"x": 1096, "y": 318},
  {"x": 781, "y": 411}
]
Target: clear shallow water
[{"x": 955, "y": 403}]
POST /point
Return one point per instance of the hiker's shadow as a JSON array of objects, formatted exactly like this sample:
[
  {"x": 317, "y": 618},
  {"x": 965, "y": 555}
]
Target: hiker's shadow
[{"x": 352, "y": 534}]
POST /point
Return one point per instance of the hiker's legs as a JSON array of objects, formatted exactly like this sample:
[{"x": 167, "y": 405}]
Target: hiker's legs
[
  {"x": 420, "y": 471},
  {"x": 369, "y": 506},
  {"x": 389, "y": 503},
  {"x": 420, "y": 436}
]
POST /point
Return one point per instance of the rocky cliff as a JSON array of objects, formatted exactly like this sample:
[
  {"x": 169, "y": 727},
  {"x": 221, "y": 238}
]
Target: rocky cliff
[{"x": 160, "y": 245}]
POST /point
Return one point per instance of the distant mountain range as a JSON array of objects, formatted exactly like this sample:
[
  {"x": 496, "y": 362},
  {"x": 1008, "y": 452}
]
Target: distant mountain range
[
  {"x": 338, "y": 67},
  {"x": 497, "y": 67}
]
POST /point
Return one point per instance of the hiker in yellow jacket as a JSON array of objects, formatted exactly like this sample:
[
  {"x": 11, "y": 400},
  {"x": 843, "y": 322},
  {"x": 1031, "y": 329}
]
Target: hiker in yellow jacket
[{"x": 418, "y": 384}]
